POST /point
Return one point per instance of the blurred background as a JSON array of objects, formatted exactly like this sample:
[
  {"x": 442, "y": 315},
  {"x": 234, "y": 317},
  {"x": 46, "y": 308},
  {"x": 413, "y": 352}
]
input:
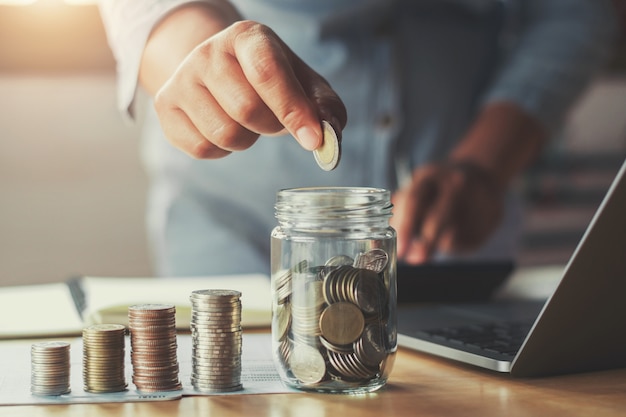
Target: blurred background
[
  {"x": 72, "y": 189},
  {"x": 71, "y": 183}
]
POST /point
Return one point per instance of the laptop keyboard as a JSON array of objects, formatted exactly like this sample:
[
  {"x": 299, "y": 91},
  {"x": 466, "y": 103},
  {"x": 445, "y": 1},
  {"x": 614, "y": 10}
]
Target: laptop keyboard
[{"x": 503, "y": 338}]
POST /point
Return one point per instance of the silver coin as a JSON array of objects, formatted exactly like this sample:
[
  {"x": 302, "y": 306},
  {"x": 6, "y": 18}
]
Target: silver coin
[
  {"x": 218, "y": 371},
  {"x": 50, "y": 368},
  {"x": 307, "y": 364},
  {"x": 226, "y": 353},
  {"x": 375, "y": 260},
  {"x": 216, "y": 336},
  {"x": 328, "y": 154},
  {"x": 219, "y": 293},
  {"x": 339, "y": 260},
  {"x": 216, "y": 388},
  {"x": 52, "y": 346}
]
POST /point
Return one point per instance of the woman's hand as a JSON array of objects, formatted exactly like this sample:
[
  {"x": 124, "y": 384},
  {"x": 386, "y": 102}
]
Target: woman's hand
[{"x": 240, "y": 82}]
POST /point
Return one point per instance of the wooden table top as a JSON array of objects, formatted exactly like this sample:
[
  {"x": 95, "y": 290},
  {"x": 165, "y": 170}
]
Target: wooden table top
[{"x": 420, "y": 385}]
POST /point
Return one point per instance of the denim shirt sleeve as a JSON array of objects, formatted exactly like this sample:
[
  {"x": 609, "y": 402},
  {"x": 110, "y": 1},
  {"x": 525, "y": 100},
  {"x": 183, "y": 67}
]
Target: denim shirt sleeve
[
  {"x": 561, "y": 44},
  {"x": 128, "y": 24}
]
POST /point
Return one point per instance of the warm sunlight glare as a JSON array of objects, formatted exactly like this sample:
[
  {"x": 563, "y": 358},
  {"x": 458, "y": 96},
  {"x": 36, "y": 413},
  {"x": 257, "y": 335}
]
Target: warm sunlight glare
[
  {"x": 17, "y": 2},
  {"x": 30, "y": 2}
]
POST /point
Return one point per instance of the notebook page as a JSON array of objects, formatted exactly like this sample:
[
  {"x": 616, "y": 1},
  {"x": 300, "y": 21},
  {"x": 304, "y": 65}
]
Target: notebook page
[
  {"x": 107, "y": 299},
  {"x": 38, "y": 310}
]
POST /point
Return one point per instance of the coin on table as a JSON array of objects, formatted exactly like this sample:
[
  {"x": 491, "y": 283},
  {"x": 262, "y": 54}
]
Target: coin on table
[{"x": 328, "y": 154}]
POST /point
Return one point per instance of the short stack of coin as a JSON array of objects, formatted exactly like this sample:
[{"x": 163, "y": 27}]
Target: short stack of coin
[
  {"x": 216, "y": 340},
  {"x": 153, "y": 347},
  {"x": 50, "y": 368},
  {"x": 103, "y": 358}
]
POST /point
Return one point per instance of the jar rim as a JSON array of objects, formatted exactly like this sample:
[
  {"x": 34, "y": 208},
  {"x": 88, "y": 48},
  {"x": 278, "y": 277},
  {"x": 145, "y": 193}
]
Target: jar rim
[
  {"x": 333, "y": 204},
  {"x": 333, "y": 190}
]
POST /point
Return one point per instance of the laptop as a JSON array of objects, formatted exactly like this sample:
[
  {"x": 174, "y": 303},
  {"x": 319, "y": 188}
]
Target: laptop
[
  {"x": 452, "y": 281},
  {"x": 581, "y": 327}
]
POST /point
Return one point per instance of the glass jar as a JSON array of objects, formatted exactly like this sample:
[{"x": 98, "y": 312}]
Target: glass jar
[{"x": 334, "y": 289}]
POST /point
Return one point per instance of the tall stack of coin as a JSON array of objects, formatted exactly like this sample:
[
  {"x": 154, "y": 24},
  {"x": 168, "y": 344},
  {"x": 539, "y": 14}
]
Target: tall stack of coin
[
  {"x": 103, "y": 358},
  {"x": 216, "y": 340},
  {"x": 153, "y": 347},
  {"x": 50, "y": 368}
]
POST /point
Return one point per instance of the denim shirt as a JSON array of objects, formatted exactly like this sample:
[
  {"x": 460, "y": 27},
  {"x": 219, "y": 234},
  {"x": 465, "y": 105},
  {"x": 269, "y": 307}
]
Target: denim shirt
[{"x": 412, "y": 73}]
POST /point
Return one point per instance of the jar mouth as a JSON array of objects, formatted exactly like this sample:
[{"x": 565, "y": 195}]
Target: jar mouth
[
  {"x": 342, "y": 191},
  {"x": 333, "y": 203}
]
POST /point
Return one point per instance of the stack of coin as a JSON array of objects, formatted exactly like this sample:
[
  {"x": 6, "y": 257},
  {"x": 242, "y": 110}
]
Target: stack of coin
[
  {"x": 50, "y": 368},
  {"x": 283, "y": 282},
  {"x": 153, "y": 347},
  {"x": 332, "y": 325},
  {"x": 306, "y": 310},
  {"x": 216, "y": 340},
  {"x": 103, "y": 358}
]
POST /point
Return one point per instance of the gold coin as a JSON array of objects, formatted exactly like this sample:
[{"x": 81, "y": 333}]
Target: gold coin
[
  {"x": 342, "y": 323},
  {"x": 327, "y": 156},
  {"x": 102, "y": 328},
  {"x": 282, "y": 318}
]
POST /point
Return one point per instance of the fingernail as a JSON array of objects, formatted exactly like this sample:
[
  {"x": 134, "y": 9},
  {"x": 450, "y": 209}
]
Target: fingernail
[
  {"x": 308, "y": 138},
  {"x": 416, "y": 258},
  {"x": 418, "y": 254}
]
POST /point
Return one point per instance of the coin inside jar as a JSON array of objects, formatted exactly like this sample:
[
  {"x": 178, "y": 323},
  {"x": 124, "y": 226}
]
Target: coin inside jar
[
  {"x": 307, "y": 364},
  {"x": 341, "y": 323},
  {"x": 333, "y": 285}
]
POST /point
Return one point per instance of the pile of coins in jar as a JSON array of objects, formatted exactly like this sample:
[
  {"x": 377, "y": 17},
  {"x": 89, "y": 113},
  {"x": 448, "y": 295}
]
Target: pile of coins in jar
[
  {"x": 216, "y": 355},
  {"x": 333, "y": 328}
]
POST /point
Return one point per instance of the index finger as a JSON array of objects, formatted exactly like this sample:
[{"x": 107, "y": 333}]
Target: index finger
[
  {"x": 437, "y": 219},
  {"x": 416, "y": 201},
  {"x": 273, "y": 70}
]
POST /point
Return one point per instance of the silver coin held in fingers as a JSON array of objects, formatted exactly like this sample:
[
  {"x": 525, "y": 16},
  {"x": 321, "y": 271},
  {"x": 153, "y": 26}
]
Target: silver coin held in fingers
[{"x": 328, "y": 154}]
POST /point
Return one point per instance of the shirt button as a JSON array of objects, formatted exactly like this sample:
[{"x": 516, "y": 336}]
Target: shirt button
[
  {"x": 385, "y": 121},
  {"x": 383, "y": 29}
]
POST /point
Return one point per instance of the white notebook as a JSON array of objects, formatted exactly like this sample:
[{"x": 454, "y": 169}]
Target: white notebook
[{"x": 65, "y": 308}]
